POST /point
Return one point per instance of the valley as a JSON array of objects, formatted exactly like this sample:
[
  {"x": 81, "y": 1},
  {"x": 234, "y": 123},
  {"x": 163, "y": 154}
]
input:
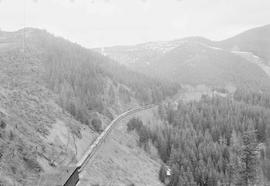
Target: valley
[{"x": 212, "y": 106}]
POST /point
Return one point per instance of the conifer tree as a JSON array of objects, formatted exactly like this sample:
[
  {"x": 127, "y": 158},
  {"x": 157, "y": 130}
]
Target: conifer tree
[{"x": 249, "y": 160}]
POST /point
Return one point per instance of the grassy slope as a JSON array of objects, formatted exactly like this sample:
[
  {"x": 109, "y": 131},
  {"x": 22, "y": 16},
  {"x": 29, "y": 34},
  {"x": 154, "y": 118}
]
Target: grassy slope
[{"x": 37, "y": 131}]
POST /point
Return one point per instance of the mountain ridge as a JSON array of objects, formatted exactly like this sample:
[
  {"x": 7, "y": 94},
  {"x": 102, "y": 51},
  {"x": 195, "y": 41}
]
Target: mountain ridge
[{"x": 148, "y": 57}]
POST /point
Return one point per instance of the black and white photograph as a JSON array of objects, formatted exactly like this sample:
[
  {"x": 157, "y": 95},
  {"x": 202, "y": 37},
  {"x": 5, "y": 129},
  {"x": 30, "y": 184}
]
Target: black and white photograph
[{"x": 134, "y": 92}]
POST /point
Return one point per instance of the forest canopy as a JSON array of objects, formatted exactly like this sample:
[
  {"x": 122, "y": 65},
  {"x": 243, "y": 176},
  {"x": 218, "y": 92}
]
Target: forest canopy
[{"x": 214, "y": 141}]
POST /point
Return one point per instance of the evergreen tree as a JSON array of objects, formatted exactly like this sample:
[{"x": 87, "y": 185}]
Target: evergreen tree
[
  {"x": 162, "y": 173},
  {"x": 249, "y": 160}
]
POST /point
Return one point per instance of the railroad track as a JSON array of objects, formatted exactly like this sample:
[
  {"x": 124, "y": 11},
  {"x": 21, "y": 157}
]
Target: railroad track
[{"x": 73, "y": 179}]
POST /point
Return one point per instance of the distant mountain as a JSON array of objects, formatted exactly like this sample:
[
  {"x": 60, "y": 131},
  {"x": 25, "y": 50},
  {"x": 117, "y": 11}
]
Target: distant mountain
[
  {"x": 196, "y": 60},
  {"x": 196, "y": 63},
  {"x": 143, "y": 54},
  {"x": 256, "y": 41}
]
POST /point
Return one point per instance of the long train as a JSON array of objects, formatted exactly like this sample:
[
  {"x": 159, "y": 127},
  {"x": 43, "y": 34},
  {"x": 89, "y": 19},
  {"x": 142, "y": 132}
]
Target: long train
[{"x": 74, "y": 178}]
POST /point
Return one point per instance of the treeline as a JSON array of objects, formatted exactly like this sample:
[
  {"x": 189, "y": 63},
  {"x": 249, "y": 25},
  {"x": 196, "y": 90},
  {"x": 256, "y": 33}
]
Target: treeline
[
  {"x": 80, "y": 76},
  {"x": 216, "y": 141}
]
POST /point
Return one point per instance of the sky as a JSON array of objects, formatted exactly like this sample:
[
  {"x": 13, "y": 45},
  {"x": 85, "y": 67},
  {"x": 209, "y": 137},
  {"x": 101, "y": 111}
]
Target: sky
[{"x": 98, "y": 23}]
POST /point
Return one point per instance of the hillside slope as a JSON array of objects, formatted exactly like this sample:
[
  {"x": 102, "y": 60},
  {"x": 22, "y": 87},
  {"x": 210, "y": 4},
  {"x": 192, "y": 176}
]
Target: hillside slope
[
  {"x": 36, "y": 134},
  {"x": 55, "y": 96}
]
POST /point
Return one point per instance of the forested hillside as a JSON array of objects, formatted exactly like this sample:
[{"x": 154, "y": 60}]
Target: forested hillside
[
  {"x": 55, "y": 96},
  {"x": 86, "y": 81},
  {"x": 213, "y": 141}
]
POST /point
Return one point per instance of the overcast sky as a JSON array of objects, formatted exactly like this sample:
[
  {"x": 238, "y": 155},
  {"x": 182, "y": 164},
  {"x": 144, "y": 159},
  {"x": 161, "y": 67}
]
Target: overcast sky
[{"x": 96, "y": 23}]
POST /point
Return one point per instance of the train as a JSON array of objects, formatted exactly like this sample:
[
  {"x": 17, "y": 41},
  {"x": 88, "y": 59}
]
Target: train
[{"x": 74, "y": 178}]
